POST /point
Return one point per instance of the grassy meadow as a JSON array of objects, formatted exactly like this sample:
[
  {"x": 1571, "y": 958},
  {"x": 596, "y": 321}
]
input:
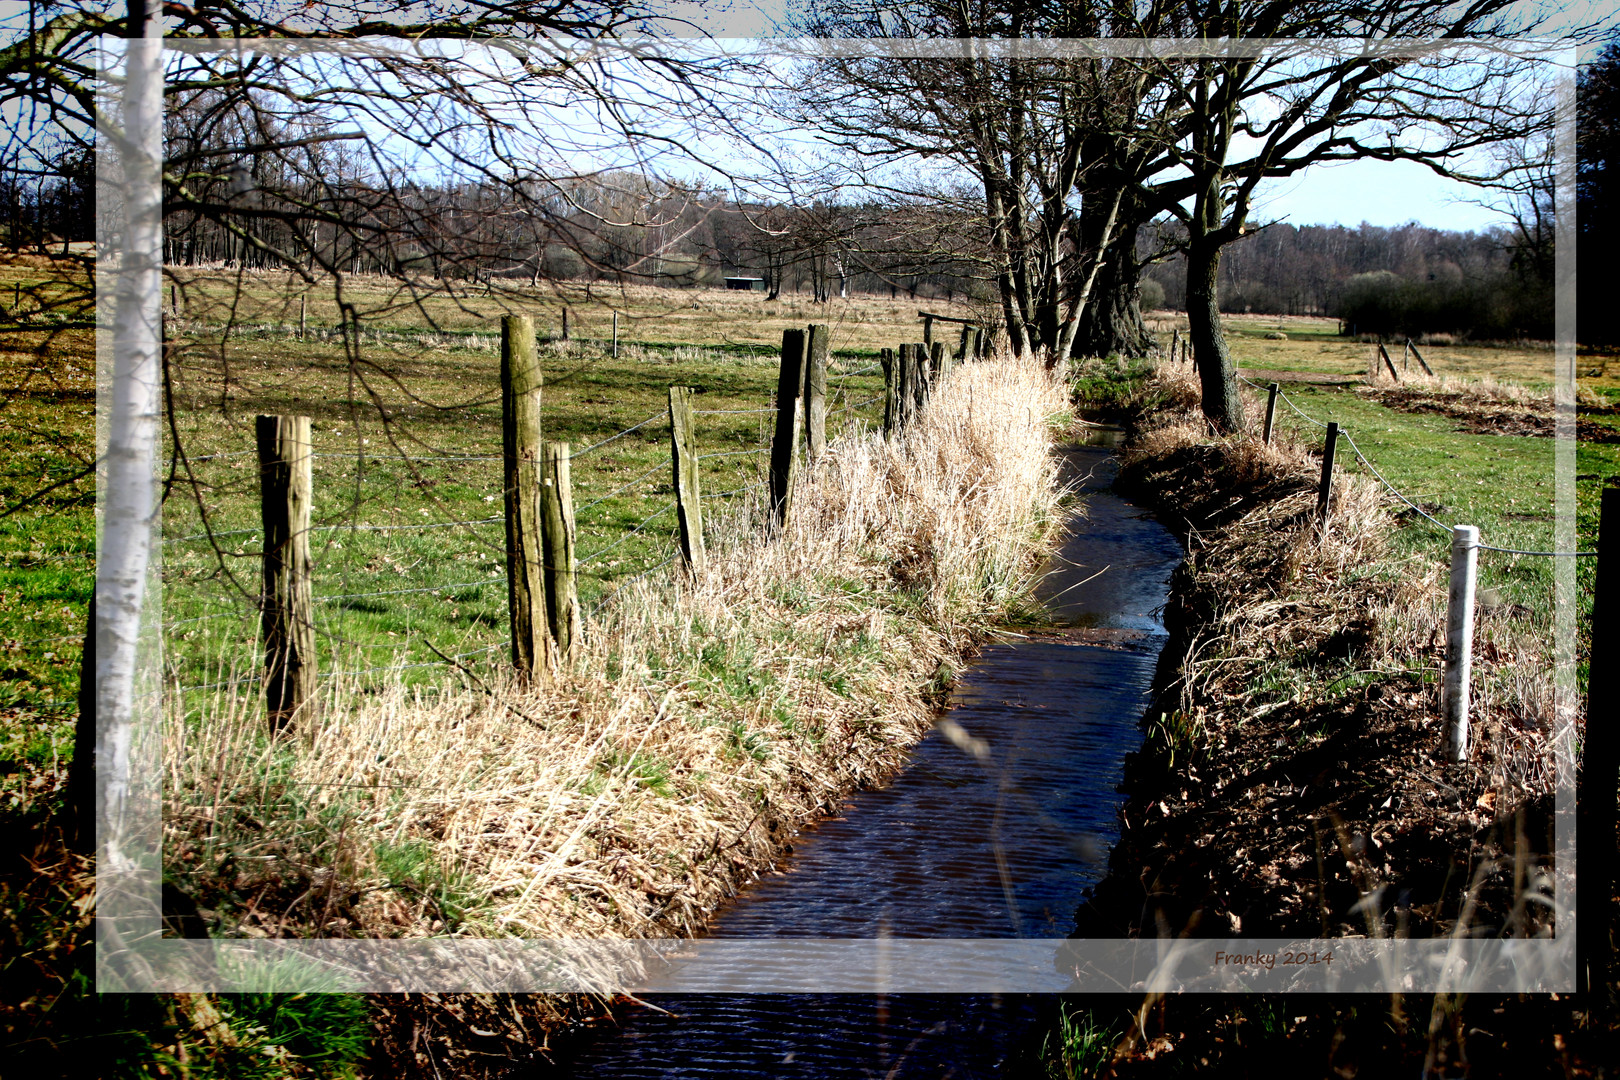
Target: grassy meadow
[{"x": 406, "y": 417}]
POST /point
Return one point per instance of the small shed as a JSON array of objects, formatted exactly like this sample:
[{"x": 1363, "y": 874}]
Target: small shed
[{"x": 746, "y": 284}]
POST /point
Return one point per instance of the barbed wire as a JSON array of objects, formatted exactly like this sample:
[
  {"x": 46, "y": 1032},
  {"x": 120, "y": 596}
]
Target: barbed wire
[
  {"x": 621, "y": 488},
  {"x": 622, "y": 434},
  {"x": 644, "y": 522},
  {"x": 736, "y": 491},
  {"x": 402, "y": 592},
  {"x": 732, "y": 453},
  {"x": 1449, "y": 529},
  {"x": 597, "y": 607},
  {"x": 732, "y": 412}
]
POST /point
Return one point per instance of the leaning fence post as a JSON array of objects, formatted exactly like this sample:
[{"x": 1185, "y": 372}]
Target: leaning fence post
[
  {"x": 1388, "y": 363},
  {"x": 891, "y": 392},
  {"x": 815, "y": 392},
  {"x": 521, "y": 449},
  {"x": 557, "y": 528},
  {"x": 683, "y": 458},
  {"x": 287, "y": 618},
  {"x": 1271, "y": 412},
  {"x": 1324, "y": 491},
  {"x": 1600, "y": 758},
  {"x": 1459, "y": 640},
  {"x": 1422, "y": 363},
  {"x": 784, "y": 445}
]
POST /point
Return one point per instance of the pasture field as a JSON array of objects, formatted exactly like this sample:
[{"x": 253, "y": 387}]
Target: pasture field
[{"x": 407, "y": 434}]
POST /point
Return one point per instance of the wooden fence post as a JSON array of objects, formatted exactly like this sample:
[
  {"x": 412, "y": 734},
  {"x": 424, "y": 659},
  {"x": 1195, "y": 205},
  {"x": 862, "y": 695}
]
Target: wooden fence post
[
  {"x": 1271, "y": 412},
  {"x": 785, "y": 443},
  {"x": 1324, "y": 491},
  {"x": 944, "y": 361},
  {"x": 903, "y": 389},
  {"x": 525, "y": 541},
  {"x": 1175, "y": 342},
  {"x": 973, "y": 346},
  {"x": 815, "y": 391},
  {"x": 287, "y": 618},
  {"x": 615, "y": 335},
  {"x": 891, "y": 392},
  {"x": 1422, "y": 363},
  {"x": 301, "y": 303},
  {"x": 1600, "y": 758},
  {"x": 920, "y": 380},
  {"x": 1388, "y": 363},
  {"x": 683, "y": 458},
  {"x": 1459, "y": 640},
  {"x": 565, "y": 324},
  {"x": 557, "y": 529},
  {"x": 928, "y": 329}
]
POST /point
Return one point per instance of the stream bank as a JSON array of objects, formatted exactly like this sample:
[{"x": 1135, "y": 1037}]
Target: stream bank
[{"x": 996, "y": 832}]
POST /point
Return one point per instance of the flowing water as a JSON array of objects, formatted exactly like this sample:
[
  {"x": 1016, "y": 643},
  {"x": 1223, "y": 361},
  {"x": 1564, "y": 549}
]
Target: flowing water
[{"x": 992, "y": 845}]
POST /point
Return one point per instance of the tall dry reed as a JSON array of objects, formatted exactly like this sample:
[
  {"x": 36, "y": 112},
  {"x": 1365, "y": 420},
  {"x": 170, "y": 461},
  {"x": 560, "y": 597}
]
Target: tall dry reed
[{"x": 704, "y": 721}]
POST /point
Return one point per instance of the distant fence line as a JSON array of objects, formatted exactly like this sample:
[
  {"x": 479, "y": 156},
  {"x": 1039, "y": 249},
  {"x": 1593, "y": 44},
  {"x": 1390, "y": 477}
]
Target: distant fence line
[{"x": 544, "y": 617}]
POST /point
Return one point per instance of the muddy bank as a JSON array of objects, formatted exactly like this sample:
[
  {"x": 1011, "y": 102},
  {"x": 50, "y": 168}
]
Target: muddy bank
[{"x": 1291, "y": 784}]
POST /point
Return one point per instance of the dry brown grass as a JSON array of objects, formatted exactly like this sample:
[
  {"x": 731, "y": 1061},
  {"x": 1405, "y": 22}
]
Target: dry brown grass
[{"x": 703, "y": 723}]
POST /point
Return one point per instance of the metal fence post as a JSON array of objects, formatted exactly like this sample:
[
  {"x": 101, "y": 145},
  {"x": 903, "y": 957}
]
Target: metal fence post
[
  {"x": 1459, "y": 640},
  {"x": 1324, "y": 491}
]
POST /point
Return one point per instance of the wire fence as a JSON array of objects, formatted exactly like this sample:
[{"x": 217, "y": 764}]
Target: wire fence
[
  {"x": 591, "y": 565},
  {"x": 1449, "y": 530}
]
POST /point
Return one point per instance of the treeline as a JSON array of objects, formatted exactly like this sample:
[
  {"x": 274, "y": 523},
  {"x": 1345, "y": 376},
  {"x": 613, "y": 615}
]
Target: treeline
[
  {"x": 49, "y": 204},
  {"x": 1409, "y": 279}
]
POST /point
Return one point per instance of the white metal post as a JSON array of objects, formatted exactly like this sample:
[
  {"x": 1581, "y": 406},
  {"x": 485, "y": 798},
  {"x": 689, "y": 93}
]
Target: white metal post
[{"x": 1460, "y": 640}]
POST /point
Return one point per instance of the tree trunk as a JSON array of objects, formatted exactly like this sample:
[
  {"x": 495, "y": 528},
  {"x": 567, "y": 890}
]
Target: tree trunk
[
  {"x": 1216, "y": 370},
  {"x": 1112, "y": 320}
]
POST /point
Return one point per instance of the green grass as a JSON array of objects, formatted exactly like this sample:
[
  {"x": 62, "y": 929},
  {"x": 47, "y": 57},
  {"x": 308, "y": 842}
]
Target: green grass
[
  {"x": 1504, "y": 484},
  {"x": 380, "y": 441}
]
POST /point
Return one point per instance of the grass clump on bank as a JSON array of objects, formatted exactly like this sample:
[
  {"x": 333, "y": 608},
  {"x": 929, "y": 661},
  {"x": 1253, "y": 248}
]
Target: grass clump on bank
[
  {"x": 704, "y": 722},
  {"x": 1292, "y": 781}
]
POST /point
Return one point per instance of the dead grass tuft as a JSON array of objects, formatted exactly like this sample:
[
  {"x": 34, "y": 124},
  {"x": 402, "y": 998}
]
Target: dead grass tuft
[{"x": 705, "y": 721}]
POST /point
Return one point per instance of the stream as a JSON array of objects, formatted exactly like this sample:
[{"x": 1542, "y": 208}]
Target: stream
[{"x": 999, "y": 844}]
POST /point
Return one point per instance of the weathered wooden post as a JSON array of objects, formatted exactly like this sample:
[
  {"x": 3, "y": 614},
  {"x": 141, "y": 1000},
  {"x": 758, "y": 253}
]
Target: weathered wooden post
[
  {"x": 891, "y": 392},
  {"x": 683, "y": 458},
  {"x": 1175, "y": 342},
  {"x": 565, "y": 324},
  {"x": 1388, "y": 363},
  {"x": 903, "y": 388},
  {"x": 1324, "y": 491},
  {"x": 301, "y": 302},
  {"x": 928, "y": 329},
  {"x": 287, "y": 615},
  {"x": 815, "y": 392},
  {"x": 943, "y": 361},
  {"x": 1460, "y": 640},
  {"x": 525, "y": 540},
  {"x": 1422, "y": 363},
  {"x": 1271, "y": 412},
  {"x": 615, "y": 335},
  {"x": 785, "y": 443},
  {"x": 920, "y": 380},
  {"x": 1600, "y": 759},
  {"x": 557, "y": 529}
]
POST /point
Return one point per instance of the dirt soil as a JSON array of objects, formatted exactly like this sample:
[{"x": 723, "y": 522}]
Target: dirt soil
[
  {"x": 1479, "y": 417},
  {"x": 1327, "y": 815}
]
